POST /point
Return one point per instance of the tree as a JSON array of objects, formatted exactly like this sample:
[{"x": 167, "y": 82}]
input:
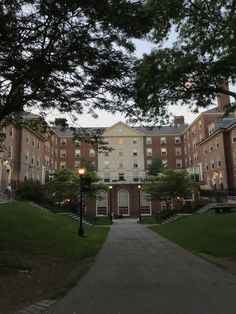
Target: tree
[
  {"x": 73, "y": 55},
  {"x": 155, "y": 167},
  {"x": 169, "y": 185},
  {"x": 199, "y": 62}
]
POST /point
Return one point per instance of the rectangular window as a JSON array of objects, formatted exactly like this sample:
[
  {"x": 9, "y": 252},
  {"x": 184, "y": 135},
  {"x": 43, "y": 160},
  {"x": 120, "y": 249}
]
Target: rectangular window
[
  {"x": 63, "y": 153},
  {"x": 106, "y": 176},
  {"x": 106, "y": 153},
  {"x": 77, "y": 164},
  {"x": 211, "y": 129},
  {"x": 9, "y": 152},
  {"x": 135, "y": 176},
  {"x": 106, "y": 164},
  {"x": 149, "y": 151},
  {"x": 148, "y": 140},
  {"x": 62, "y": 164},
  {"x": 121, "y": 164},
  {"x": 135, "y": 153},
  {"x": 120, "y": 141},
  {"x": 178, "y": 163},
  {"x": 11, "y": 131},
  {"x": 135, "y": 164},
  {"x": 164, "y": 151},
  {"x": 77, "y": 153},
  {"x": 121, "y": 177},
  {"x": 234, "y": 138},
  {"x": 177, "y": 140},
  {"x": 149, "y": 162},
  {"x": 92, "y": 153},
  {"x": 178, "y": 151},
  {"x": 77, "y": 143},
  {"x": 120, "y": 154},
  {"x": 63, "y": 142},
  {"x": 163, "y": 140},
  {"x": 164, "y": 163},
  {"x": 134, "y": 141}
]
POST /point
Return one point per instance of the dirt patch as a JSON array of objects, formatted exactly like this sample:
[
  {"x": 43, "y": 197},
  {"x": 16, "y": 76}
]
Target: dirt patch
[
  {"x": 30, "y": 279},
  {"x": 227, "y": 263}
]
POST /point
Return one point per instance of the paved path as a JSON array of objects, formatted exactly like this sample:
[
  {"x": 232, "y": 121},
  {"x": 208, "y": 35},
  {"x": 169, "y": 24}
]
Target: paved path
[{"x": 139, "y": 272}]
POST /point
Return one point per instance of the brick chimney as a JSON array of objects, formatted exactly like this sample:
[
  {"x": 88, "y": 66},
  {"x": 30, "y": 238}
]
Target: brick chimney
[
  {"x": 223, "y": 99},
  {"x": 178, "y": 120}
]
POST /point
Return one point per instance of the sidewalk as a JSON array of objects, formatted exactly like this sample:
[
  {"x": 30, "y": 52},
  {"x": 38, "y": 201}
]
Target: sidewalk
[{"x": 139, "y": 272}]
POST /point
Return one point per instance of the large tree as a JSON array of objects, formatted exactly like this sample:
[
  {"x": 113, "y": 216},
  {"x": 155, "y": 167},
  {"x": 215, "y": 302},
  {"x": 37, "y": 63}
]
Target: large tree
[
  {"x": 169, "y": 186},
  {"x": 73, "y": 55},
  {"x": 202, "y": 57}
]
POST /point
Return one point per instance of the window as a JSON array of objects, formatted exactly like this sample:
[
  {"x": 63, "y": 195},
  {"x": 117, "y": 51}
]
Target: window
[
  {"x": 211, "y": 129},
  {"x": 135, "y": 141},
  {"x": 234, "y": 157},
  {"x": 123, "y": 203},
  {"x": 145, "y": 204},
  {"x": 164, "y": 163},
  {"x": 9, "y": 152},
  {"x": 149, "y": 151},
  {"x": 135, "y": 176},
  {"x": 234, "y": 137},
  {"x": 200, "y": 124},
  {"x": 106, "y": 176},
  {"x": 163, "y": 140},
  {"x": 33, "y": 141},
  {"x": 27, "y": 156},
  {"x": 120, "y": 141},
  {"x": 163, "y": 151},
  {"x": 178, "y": 151},
  {"x": 77, "y": 153},
  {"x": 102, "y": 203},
  {"x": 106, "y": 153},
  {"x": 38, "y": 162},
  {"x": 11, "y": 131},
  {"x": 218, "y": 161},
  {"x": 135, "y": 164},
  {"x": 121, "y": 164},
  {"x": 148, "y": 140},
  {"x": 106, "y": 164},
  {"x": 212, "y": 164},
  {"x": 120, "y": 154},
  {"x": 63, "y": 154},
  {"x": 77, "y": 143},
  {"x": 149, "y": 162},
  {"x": 77, "y": 164},
  {"x": 135, "y": 153},
  {"x": 63, "y": 142},
  {"x": 32, "y": 159},
  {"x": 27, "y": 138},
  {"x": 178, "y": 163},
  {"x": 177, "y": 140},
  {"x": 121, "y": 176},
  {"x": 206, "y": 166},
  {"x": 38, "y": 145},
  {"x": 62, "y": 164},
  {"x": 205, "y": 150},
  {"x": 92, "y": 153}
]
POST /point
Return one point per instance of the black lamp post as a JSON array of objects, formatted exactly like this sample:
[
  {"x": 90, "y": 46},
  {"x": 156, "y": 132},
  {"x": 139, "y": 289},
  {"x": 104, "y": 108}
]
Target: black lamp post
[
  {"x": 139, "y": 203},
  {"x": 110, "y": 203},
  {"x": 81, "y": 172}
]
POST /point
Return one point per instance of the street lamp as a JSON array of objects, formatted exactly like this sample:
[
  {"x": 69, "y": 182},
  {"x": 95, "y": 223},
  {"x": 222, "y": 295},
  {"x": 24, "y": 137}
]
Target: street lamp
[
  {"x": 110, "y": 203},
  {"x": 139, "y": 202},
  {"x": 81, "y": 172}
]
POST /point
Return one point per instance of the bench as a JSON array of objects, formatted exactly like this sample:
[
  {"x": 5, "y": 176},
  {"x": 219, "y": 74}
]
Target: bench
[{"x": 222, "y": 208}]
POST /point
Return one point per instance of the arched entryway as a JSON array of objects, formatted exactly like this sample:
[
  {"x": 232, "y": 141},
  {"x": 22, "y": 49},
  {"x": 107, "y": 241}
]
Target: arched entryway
[
  {"x": 123, "y": 203},
  {"x": 102, "y": 203}
]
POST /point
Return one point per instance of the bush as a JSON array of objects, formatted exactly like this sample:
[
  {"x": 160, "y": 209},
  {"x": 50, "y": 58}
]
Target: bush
[{"x": 30, "y": 189}]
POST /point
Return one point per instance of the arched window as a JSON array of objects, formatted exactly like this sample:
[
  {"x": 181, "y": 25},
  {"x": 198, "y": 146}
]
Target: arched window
[
  {"x": 102, "y": 203},
  {"x": 145, "y": 203},
  {"x": 123, "y": 203}
]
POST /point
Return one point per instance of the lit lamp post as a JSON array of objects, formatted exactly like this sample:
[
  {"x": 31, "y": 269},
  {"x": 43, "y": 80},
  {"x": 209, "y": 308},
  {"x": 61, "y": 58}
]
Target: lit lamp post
[
  {"x": 81, "y": 172},
  {"x": 139, "y": 202},
  {"x": 110, "y": 203}
]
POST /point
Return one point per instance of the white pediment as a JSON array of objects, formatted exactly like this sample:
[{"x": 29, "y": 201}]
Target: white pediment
[{"x": 121, "y": 129}]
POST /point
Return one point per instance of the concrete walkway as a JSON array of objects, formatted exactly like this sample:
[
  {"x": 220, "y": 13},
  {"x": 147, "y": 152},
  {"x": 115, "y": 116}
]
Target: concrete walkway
[{"x": 139, "y": 272}]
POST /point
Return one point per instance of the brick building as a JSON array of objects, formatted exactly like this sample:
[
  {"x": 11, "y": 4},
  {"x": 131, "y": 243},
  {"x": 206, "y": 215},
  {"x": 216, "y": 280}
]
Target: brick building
[{"x": 206, "y": 148}]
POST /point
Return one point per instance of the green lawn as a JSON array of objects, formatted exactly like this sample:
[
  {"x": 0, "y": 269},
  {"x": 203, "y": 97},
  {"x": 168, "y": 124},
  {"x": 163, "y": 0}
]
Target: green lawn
[
  {"x": 31, "y": 230},
  {"x": 209, "y": 233}
]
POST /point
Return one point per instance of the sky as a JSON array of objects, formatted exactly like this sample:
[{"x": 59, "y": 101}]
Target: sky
[{"x": 106, "y": 119}]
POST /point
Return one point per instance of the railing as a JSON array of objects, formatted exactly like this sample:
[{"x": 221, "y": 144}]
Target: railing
[{"x": 124, "y": 180}]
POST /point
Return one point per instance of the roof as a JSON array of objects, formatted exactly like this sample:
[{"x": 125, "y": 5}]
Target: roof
[{"x": 164, "y": 130}]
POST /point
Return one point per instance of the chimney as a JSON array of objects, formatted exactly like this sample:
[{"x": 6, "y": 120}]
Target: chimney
[
  {"x": 223, "y": 99},
  {"x": 61, "y": 122},
  {"x": 178, "y": 120}
]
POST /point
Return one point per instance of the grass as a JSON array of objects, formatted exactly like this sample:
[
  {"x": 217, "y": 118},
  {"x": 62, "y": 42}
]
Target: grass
[
  {"x": 209, "y": 233},
  {"x": 30, "y": 230}
]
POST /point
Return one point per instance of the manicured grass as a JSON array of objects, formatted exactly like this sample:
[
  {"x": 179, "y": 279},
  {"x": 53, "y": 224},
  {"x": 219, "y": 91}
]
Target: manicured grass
[
  {"x": 210, "y": 233},
  {"x": 31, "y": 230}
]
